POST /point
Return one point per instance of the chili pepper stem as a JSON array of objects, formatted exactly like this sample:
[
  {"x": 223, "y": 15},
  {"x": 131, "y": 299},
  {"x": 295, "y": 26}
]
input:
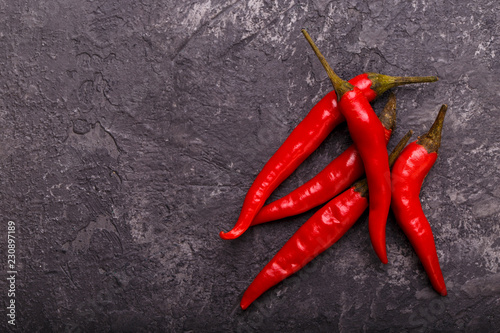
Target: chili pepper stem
[
  {"x": 340, "y": 86},
  {"x": 399, "y": 147},
  {"x": 382, "y": 83},
  {"x": 431, "y": 141},
  {"x": 388, "y": 115}
]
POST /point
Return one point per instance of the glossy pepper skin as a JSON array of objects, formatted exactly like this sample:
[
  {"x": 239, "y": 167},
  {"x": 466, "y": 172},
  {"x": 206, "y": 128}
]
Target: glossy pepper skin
[
  {"x": 334, "y": 178},
  {"x": 316, "y": 235},
  {"x": 303, "y": 140},
  {"x": 408, "y": 174},
  {"x": 367, "y": 133}
]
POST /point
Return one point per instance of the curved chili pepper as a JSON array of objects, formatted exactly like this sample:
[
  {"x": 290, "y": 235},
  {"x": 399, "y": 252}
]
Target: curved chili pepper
[
  {"x": 334, "y": 178},
  {"x": 303, "y": 140},
  {"x": 407, "y": 176},
  {"x": 367, "y": 133},
  {"x": 316, "y": 235}
]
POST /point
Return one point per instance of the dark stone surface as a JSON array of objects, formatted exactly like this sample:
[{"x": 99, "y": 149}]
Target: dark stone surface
[{"x": 131, "y": 130}]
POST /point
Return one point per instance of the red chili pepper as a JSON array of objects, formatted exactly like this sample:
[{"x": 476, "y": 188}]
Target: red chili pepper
[
  {"x": 303, "y": 140},
  {"x": 367, "y": 133},
  {"x": 407, "y": 176},
  {"x": 334, "y": 178},
  {"x": 316, "y": 235}
]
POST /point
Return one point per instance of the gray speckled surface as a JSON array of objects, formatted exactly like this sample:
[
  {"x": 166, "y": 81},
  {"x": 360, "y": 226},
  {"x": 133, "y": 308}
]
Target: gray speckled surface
[{"x": 131, "y": 130}]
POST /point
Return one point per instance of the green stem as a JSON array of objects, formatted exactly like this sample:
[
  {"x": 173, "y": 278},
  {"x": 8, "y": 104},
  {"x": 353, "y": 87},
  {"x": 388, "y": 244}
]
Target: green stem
[
  {"x": 340, "y": 86},
  {"x": 431, "y": 140},
  {"x": 382, "y": 83},
  {"x": 388, "y": 115},
  {"x": 399, "y": 148}
]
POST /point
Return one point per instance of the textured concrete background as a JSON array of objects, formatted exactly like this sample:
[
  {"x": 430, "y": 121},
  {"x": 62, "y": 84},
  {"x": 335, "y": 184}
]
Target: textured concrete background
[{"x": 131, "y": 131}]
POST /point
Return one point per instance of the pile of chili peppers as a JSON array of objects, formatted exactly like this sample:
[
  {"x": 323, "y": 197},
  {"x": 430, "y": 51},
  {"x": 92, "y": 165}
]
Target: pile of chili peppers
[{"x": 382, "y": 188}]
